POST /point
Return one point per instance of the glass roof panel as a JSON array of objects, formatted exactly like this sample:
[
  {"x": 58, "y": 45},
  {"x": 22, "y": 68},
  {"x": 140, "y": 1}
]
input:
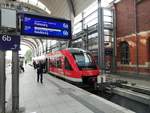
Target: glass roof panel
[
  {"x": 48, "y": 11},
  {"x": 33, "y": 2},
  {"x": 78, "y": 18},
  {"x": 37, "y": 3},
  {"x": 41, "y": 5},
  {"x": 90, "y": 9},
  {"x": 23, "y": 1}
]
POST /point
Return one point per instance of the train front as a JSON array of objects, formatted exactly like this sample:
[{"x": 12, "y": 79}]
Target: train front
[{"x": 86, "y": 65}]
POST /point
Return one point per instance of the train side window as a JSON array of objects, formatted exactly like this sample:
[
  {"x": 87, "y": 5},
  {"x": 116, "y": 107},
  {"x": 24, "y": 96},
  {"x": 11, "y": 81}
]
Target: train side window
[
  {"x": 50, "y": 63},
  {"x": 67, "y": 65},
  {"x": 59, "y": 63}
]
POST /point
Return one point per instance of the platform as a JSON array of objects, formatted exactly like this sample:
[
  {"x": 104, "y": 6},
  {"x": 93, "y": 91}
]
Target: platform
[{"x": 57, "y": 96}]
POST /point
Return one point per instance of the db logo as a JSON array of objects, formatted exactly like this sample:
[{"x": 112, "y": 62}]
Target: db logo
[{"x": 6, "y": 38}]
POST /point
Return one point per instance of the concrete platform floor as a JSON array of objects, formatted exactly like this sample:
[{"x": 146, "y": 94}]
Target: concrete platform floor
[{"x": 57, "y": 96}]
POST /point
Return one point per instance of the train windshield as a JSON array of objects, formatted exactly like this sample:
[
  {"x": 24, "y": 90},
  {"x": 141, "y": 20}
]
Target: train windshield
[{"x": 84, "y": 61}]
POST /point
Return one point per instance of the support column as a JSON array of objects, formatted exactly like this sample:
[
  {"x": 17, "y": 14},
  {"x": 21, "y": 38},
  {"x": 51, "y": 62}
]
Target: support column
[
  {"x": 136, "y": 36},
  {"x": 2, "y": 81},
  {"x": 100, "y": 38},
  {"x": 86, "y": 39},
  {"x": 114, "y": 41},
  {"x": 15, "y": 82},
  {"x": 46, "y": 47}
]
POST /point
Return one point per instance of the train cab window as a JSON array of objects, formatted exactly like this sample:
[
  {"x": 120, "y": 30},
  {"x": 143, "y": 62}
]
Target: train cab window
[
  {"x": 84, "y": 61},
  {"x": 50, "y": 63},
  {"x": 67, "y": 65}
]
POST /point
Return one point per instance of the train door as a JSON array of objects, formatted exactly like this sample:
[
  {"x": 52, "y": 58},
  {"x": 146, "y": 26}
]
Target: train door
[
  {"x": 67, "y": 68},
  {"x": 59, "y": 66},
  {"x": 63, "y": 65},
  {"x": 51, "y": 64},
  {"x": 48, "y": 64}
]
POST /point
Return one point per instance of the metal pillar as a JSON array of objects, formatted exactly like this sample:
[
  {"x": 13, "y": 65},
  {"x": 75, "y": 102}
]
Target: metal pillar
[
  {"x": 15, "y": 82},
  {"x": 100, "y": 38},
  {"x": 2, "y": 81},
  {"x": 50, "y": 50},
  {"x": 46, "y": 47},
  {"x": 114, "y": 41},
  {"x": 59, "y": 45},
  {"x": 69, "y": 43},
  {"x": 86, "y": 38},
  {"x": 136, "y": 36},
  {"x": 82, "y": 21}
]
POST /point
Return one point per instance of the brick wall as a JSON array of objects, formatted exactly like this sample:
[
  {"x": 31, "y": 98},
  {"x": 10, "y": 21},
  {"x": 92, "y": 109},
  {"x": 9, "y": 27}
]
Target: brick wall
[
  {"x": 143, "y": 14},
  {"x": 125, "y": 14},
  {"x": 125, "y": 18}
]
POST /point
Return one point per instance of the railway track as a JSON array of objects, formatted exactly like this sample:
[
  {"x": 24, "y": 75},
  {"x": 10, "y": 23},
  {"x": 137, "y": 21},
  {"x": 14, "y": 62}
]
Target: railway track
[
  {"x": 129, "y": 95},
  {"x": 134, "y": 96}
]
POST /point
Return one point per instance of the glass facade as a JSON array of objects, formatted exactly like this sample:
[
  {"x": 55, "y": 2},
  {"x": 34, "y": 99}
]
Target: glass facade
[
  {"x": 87, "y": 21},
  {"x": 86, "y": 29}
]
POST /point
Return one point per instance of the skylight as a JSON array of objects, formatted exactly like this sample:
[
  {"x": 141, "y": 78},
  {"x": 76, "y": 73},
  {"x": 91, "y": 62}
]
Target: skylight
[
  {"x": 33, "y": 2},
  {"x": 36, "y": 3}
]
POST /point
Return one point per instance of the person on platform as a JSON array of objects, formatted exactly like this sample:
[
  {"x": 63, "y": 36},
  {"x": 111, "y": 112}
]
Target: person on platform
[
  {"x": 21, "y": 66},
  {"x": 25, "y": 62},
  {"x": 39, "y": 67},
  {"x": 34, "y": 64}
]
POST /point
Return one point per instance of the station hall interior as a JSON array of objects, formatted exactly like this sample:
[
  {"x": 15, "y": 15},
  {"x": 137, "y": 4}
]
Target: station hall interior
[{"x": 74, "y": 56}]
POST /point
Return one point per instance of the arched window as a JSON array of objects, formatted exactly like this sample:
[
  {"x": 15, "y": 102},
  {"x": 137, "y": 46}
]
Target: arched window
[{"x": 125, "y": 53}]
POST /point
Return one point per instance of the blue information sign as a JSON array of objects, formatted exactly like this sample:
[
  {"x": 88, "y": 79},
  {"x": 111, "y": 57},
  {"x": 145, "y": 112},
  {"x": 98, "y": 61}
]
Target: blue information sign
[
  {"x": 34, "y": 25},
  {"x": 9, "y": 42}
]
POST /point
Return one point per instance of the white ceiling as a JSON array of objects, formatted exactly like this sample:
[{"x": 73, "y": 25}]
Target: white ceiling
[
  {"x": 66, "y": 8},
  {"x": 58, "y": 8},
  {"x": 80, "y": 5},
  {"x": 62, "y": 8}
]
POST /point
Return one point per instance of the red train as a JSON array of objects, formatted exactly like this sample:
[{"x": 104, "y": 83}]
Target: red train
[{"x": 73, "y": 64}]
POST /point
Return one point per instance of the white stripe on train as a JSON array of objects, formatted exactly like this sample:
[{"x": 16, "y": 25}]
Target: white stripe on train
[{"x": 68, "y": 78}]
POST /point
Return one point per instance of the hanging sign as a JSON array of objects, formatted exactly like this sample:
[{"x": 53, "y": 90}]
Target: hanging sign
[
  {"x": 33, "y": 25},
  {"x": 9, "y": 42}
]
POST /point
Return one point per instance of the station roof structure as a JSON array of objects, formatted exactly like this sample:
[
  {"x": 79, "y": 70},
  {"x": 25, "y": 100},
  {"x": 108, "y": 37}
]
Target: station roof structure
[
  {"x": 56, "y": 8},
  {"x": 66, "y": 9}
]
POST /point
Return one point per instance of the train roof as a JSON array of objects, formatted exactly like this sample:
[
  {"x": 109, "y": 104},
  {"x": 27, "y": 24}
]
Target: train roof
[
  {"x": 76, "y": 50},
  {"x": 71, "y": 50}
]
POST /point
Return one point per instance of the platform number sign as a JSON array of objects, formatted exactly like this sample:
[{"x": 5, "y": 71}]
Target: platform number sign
[
  {"x": 9, "y": 42},
  {"x": 6, "y": 38}
]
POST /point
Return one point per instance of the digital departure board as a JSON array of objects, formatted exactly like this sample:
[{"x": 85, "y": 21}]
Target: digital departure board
[{"x": 33, "y": 25}]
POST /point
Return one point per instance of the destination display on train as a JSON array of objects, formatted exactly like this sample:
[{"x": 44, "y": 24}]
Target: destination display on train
[{"x": 33, "y": 25}]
